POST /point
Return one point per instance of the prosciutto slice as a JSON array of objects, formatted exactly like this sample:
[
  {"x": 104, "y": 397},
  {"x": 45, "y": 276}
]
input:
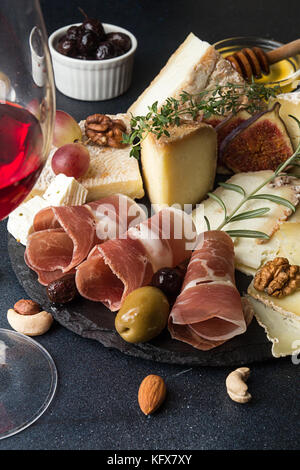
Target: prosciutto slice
[
  {"x": 64, "y": 236},
  {"x": 117, "y": 267},
  {"x": 209, "y": 309}
]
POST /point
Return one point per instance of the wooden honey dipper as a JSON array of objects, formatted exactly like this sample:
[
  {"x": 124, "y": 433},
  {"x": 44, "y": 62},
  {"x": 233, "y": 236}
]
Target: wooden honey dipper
[{"x": 255, "y": 61}]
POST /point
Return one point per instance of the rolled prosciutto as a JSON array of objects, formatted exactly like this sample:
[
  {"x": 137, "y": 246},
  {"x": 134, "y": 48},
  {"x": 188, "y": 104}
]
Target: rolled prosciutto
[
  {"x": 209, "y": 309},
  {"x": 64, "y": 236},
  {"x": 117, "y": 267}
]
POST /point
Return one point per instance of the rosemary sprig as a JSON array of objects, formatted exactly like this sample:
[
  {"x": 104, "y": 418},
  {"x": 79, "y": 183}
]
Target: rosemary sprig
[{"x": 218, "y": 101}]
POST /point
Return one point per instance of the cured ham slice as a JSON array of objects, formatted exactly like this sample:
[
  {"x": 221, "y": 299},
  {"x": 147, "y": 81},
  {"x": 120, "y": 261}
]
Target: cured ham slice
[
  {"x": 64, "y": 236},
  {"x": 117, "y": 267},
  {"x": 209, "y": 309}
]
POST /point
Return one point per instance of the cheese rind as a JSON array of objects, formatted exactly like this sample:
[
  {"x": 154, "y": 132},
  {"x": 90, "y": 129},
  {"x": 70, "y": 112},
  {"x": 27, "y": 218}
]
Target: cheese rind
[
  {"x": 279, "y": 317},
  {"x": 65, "y": 191},
  {"x": 282, "y": 331},
  {"x": 20, "y": 221},
  {"x": 179, "y": 169}
]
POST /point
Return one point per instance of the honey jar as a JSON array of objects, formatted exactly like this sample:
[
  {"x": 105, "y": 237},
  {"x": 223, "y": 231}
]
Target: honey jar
[{"x": 285, "y": 73}]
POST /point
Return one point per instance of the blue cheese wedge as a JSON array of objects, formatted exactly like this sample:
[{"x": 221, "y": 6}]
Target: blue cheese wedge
[
  {"x": 20, "y": 221},
  {"x": 65, "y": 191},
  {"x": 280, "y": 319}
]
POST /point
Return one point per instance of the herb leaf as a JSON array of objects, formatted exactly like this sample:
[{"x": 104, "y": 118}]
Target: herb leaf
[
  {"x": 276, "y": 199},
  {"x": 207, "y": 223},
  {"x": 233, "y": 187},
  {"x": 250, "y": 214},
  {"x": 247, "y": 234},
  {"x": 220, "y": 202}
]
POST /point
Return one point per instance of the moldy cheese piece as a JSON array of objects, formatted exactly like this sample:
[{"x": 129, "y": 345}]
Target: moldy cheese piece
[{"x": 180, "y": 169}]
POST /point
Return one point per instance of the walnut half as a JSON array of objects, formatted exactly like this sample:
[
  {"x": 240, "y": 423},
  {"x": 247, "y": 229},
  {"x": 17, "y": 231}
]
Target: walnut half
[
  {"x": 103, "y": 130},
  {"x": 278, "y": 278}
]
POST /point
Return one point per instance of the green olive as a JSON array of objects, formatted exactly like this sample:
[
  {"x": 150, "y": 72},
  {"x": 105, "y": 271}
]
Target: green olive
[{"x": 143, "y": 315}]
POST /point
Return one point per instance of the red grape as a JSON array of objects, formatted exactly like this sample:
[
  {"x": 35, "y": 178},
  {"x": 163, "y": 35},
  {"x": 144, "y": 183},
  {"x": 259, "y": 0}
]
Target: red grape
[{"x": 71, "y": 160}]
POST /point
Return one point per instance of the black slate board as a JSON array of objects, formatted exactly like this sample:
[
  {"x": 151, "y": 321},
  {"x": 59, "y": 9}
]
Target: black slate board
[{"x": 93, "y": 320}]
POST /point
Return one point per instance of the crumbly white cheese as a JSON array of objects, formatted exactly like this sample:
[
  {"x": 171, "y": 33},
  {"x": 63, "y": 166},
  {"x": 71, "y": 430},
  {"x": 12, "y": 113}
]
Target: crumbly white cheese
[
  {"x": 20, "y": 221},
  {"x": 65, "y": 191}
]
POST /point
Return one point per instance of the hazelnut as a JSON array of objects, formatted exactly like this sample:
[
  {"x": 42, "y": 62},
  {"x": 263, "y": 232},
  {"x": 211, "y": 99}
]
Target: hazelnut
[{"x": 26, "y": 307}]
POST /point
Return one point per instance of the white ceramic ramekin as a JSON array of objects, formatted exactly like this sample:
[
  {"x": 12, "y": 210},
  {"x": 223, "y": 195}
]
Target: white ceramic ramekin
[{"x": 92, "y": 80}]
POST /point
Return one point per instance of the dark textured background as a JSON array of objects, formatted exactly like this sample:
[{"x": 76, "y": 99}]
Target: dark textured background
[{"x": 96, "y": 402}]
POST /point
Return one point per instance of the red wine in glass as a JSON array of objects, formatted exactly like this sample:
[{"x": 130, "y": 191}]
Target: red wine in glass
[{"x": 21, "y": 147}]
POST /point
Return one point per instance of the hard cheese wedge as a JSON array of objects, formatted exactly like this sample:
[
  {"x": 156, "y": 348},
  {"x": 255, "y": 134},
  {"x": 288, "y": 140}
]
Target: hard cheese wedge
[
  {"x": 180, "y": 169},
  {"x": 193, "y": 67},
  {"x": 251, "y": 253},
  {"x": 111, "y": 171},
  {"x": 280, "y": 318}
]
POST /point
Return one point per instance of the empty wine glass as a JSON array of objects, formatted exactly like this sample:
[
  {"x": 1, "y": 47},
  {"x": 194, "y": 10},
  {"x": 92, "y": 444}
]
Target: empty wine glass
[{"x": 28, "y": 375}]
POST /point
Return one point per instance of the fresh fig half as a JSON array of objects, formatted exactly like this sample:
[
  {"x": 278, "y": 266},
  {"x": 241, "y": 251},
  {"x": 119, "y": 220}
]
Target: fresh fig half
[
  {"x": 225, "y": 127},
  {"x": 259, "y": 143}
]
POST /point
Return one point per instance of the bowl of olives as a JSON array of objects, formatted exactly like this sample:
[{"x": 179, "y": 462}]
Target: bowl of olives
[{"x": 92, "y": 61}]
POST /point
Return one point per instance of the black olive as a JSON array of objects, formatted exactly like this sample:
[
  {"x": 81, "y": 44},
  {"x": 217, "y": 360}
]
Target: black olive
[
  {"x": 169, "y": 280},
  {"x": 62, "y": 290},
  {"x": 74, "y": 32},
  {"x": 66, "y": 46},
  {"x": 105, "y": 50},
  {"x": 91, "y": 24},
  {"x": 120, "y": 40},
  {"x": 87, "y": 43}
]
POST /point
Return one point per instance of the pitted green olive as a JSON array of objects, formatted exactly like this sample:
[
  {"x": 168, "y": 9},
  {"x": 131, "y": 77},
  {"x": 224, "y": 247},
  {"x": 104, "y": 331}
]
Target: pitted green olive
[{"x": 143, "y": 315}]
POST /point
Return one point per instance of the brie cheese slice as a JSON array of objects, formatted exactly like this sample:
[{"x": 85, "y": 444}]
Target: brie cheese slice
[{"x": 280, "y": 318}]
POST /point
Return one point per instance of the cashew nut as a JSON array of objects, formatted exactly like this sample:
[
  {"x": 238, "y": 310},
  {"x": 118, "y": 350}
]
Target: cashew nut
[
  {"x": 30, "y": 325},
  {"x": 237, "y": 389}
]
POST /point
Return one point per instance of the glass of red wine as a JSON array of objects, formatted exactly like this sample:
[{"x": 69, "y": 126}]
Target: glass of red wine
[{"x": 28, "y": 374}]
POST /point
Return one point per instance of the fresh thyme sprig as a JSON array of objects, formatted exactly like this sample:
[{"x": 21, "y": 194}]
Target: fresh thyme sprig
[
  {"x": 218, "y": 101},
  {"x": 233, "y": 217}
]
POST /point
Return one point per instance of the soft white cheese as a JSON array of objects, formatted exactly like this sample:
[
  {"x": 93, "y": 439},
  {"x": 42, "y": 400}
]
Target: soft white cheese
[
  {"x": 280, "y": 319},
  {"x": 65, "y": 191},
  {"x": 20, "y": 221}
]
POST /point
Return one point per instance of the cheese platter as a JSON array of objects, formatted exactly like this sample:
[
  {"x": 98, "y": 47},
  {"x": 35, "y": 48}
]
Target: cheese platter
[{"x": 141, "y": 255}]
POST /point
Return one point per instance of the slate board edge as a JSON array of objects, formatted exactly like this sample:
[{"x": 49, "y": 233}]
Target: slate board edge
[{"x": 110, "y": 339}]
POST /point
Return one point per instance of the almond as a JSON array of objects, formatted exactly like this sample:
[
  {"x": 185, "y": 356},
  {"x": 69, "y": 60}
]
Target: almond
[
  {"x": 152, "y": 393},
  {"x": 27, "y": 307}
]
